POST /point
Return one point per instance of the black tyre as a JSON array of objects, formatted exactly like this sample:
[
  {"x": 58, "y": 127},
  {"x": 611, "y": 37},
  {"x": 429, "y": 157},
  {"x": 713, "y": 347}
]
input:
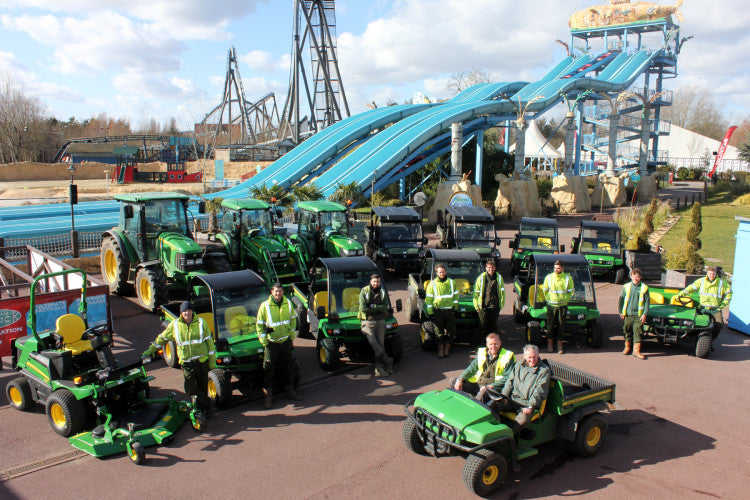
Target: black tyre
[
  {"x": 65, "y": 413},
  {"x": 518, "y": 316},
  {"x": 151, "y": 288},
  {"x": 18, "y": 392},
  {"x": 594, "y": 335},
  {"x": 303, "y": 327},
  {"x": 296, "y": 372},
  {"x": 427, "y": 336},
  {"x": 394, "y": 348},
  {"x": 620, "y": 275},
  {"x": 412, "y": 310},
  {"x": 534, "y": 333},
  {"x": 170, "y": 354},
  {"x": 703, "y": 346},
  {"x": 590, "y": 436},
  {"x": 220, "y": 387},
  {"x": 137, "y": 453},
  {"x": 200, "y": 423},
  {"x": 328, "y": 354},
  {"x": 411, "y": 438},
  {"x": 217, "y": 264},
  {"x": 484, "y": 472},
  {"x": 115, "y": 265}
]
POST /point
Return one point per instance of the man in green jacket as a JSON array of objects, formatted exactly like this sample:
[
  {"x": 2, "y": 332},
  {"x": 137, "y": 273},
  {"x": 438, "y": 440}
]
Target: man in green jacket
[
  {"x": 633, "y": 307},
  {"x": 558, "y": 289},
  {"x": 526, "y": 387},
  {"x": 441, "y": 302},
  {"x": 276, "y": 324},
  {"x": 489, "y": 297},
  {"x": 489, "y": 369},
  {"x": 195, "y": 352},
  {"x": 714, "y": 295},
  {"x": 373, "y": 309}
]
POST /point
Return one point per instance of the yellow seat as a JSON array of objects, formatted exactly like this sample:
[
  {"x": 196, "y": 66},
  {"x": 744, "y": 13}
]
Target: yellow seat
[
  {"x": 462, "y": 285},
  {"x": 524, "y": 242},
  {"x": 237, "y": 320},
  {"x": 604, "y": 246},
  {"x": 655, "y": 298},
  {"x": 536, "y": 294},
  {"x": 71, "y": 327},
  {"x": 537, "y": 414},
  {"x": 683, "y": 301},
  {"x": 321, "y": 299},
  {"x": 350, "y": 298},
  {"x": 209, "y": 319},
  {"x": 586, "y": 245},
  {"x": 426, "y": 284},
  {"x": 545, "y": 242}
]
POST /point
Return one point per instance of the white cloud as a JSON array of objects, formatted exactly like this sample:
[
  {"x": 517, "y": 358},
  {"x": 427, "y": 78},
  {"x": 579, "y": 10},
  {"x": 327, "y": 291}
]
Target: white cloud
[
  {"x": 157, "y": 87},
  {"x": 11, "y": 68}
]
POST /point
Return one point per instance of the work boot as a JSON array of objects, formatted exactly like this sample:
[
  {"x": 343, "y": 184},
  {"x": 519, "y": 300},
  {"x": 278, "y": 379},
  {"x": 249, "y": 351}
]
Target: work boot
[
  {"x": 268, "y": 398},
  {"x": 440, "y": 350},
  {"x": 550, "y": 345},
  {"x": 560, "y": 349},
  {"x": 628, "y": 348},
  {"x": 292, "y": 394},
  {"x": 447, "y": 349},
  {"x": 387, "y": 363},
  {"x": 380, "y": 371},
  {"x": 637, "y": 351}
]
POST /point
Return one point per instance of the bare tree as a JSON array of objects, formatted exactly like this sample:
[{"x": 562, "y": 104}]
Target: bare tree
[
  {"x": 465, "y": 78},
  {"x": 23, "y": 126},
  {"x": 695, "y": 108}
]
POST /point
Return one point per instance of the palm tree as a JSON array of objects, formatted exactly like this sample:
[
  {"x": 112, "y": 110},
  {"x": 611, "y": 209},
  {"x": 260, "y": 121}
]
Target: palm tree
[
  {"x": 349, "y": 192},
  {"x": 310, "y": 192},
  {"x": 275, "y": 193}
]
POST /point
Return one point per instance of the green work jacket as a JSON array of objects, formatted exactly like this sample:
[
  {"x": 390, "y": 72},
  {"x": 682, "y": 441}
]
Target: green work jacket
[{"x": 479, "y": 290}]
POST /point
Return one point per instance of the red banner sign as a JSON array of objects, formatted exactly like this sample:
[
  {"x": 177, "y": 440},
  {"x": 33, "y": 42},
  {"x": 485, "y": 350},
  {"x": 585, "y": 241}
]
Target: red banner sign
[{"x": 722, "y": 149}]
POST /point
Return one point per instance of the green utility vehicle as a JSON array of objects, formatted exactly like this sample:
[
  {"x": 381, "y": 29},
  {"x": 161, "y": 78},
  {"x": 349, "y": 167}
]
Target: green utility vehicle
[
  {"x": 535, "y": 235},
  {"x": 600, "y": 243},
  {"x": 229, "y": 304},
  {"x": 250, "y": 240},
  {"x": 323, "y": 231},
  {"x": 327, "y": 308},
  {"x": 680, "y": 320},
  {"x": 464, "y": 267},
  {"x": 469, "y": 228},
  {"x": 449, "y": 422},
  {"x": 394, "y": 239},
  {"x": 153, "y": 249},
  {"x": 530, "y": 308},
  {"x": 99, "y": 404}
]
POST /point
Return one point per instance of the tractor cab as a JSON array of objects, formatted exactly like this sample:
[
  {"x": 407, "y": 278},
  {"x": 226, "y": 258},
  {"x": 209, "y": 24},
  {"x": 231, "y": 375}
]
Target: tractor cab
[
  {"x": 324, "y": 230},
  {"x": 601, "y": 244},
  {"x": 395, "y": 239}
]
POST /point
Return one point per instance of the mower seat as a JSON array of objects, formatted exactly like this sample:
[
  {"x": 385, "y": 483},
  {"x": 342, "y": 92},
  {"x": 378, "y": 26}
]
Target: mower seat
[
  {"x": 71, "y": 327},
  {"x": 545, "y": 242},
  {"x": 655, "y": 298},
  {"x": 237, "y": 320},
  {"x": 461, "y": 284},
  {"x": 350, "y": 298},
  {"x": 321, "y": 299},
  {"x": 536, "y": 294},
  {"x": 586, "y": 246},
  {"x": 524, "y": 243},
  {"x": 604, "y": 246}
]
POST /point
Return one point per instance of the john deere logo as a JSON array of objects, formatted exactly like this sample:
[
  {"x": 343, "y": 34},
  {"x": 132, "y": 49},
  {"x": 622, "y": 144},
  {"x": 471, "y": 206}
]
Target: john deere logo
[{"x": 8, "y": 317}]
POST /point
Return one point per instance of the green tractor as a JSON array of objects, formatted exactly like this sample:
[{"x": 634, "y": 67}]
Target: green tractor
[
  {"x": 153, "y": 250},
  {"x": 323, "y": 231},
  {"x": 600, "y": 243},
  {"x": 250, "y": 240},
  {"x": 529, "y": 307},
  {"x": 327, "y": 308},
  {"x": 99, "y": 404},
  {"x": 535, "y": 235},
  {"x": 394, "y": 239},
  {"x": 229, "y": 303},
  {"x": 469, "y": 228},
  {"x": 450, "y": 423},
  {"x": 680, "y": 320}
]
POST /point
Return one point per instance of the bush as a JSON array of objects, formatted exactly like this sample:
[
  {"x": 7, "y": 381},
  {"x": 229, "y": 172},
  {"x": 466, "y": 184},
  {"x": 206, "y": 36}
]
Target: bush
[
  {"x": 695, "y": 173},
  {"x": 380, "y": 199},
  {"x": 743, "y": 200},
  {"x": 637, "y": 224},
  {"x": 349, "y": 192},
  {"x": 684, "y": 257},
  {"x": 544, "y": 186},
  {"x": 683, "y": 173}
]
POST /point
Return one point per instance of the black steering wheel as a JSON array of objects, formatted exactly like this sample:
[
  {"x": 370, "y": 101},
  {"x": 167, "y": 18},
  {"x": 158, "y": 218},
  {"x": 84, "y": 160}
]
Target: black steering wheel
[
  {"x": 96, "y": 331},
  {"x": 493, "y": 394}
]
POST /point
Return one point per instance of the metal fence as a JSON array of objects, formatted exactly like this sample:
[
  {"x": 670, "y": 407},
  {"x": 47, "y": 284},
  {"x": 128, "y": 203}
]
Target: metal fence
[{"x": 56, "y": 245}]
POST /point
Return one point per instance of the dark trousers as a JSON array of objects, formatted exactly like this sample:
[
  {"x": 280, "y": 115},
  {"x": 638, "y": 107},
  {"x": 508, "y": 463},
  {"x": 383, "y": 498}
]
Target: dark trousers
[
  {"x": 718, "y": 322},
  {"x": 488, "y": 320},
  {"x": 277, "y": 357},
  {"x": 632, "y": 328},
  {"x": 445, "y": 325},
  {"x": 507, "y": 404},
  {"x": 556, "y": 321},
  {"x": 196, "y": 382}
]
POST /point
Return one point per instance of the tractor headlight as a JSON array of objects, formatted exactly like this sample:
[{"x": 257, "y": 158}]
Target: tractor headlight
[
  {"x": 226, "y": 360},
  {"x": 656, "y": 321},
  {"x": 687, "y": 322},
  {"x": 190, "y": 262},
  {"x": 199, "y": 261},
  {"x": 384, "y": 252},
  {"x": 581, "y": 316},
  {"x": 349, "y": 253},
  {"x": 337, "y": 331}
]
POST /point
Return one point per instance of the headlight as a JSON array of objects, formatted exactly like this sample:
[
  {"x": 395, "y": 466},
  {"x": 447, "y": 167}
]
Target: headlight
[
  {"x": 199, "y": 261},
  {"x": 227, "y": 359},
  {"x": 389, "y": 326},
  {"x": 581, "y": 316},
  {"x": 336, "y": 331},
  {"x": 349, "y": 253},
  {"x": 656, "y": 321},
  {"x": 687, "y": 322},
  {"x": 384, "y": 253},
  {"x": 190, "y": 262}
]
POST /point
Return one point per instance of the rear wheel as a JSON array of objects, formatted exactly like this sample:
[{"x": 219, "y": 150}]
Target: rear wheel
[
  {"x": 170, "y": 354},
  {"x": 394, "y": 348},
  {"x": 19, "y": 393},
  {"x": 328, "y": 354},
  {"x": 411, "y": 438},
  {"x": 517, "y": 314},
  {"x": 151, "y": 288},
  {"x": 220, "y": 387},
  {"x": 703, "y": 346},
  {"x": 594, "y": 336},
  {"x": 137, "y": 453},
  {"x": 65, "y": 413},
  {"x": 303, "y": 327},
  {"x": 114, "y": 265},
  {"x": 534, "y": 333},
  {"x": 427, "y": 336},
  {"x": 592, "y": 431},
  {"x": 412, "y": 310},
  {"x": 484, "y": 472}
]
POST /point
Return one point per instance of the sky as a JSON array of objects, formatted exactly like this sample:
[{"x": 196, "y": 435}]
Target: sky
[{"x": 144, "y": 59}]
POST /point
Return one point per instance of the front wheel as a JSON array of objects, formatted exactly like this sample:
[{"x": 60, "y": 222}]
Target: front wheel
[
  {"x": 534, "y": 333},
  {"x": 19, "y": 393},
  {"x": 592, "y": 431},
  {"x": 594, "y": 336},
  {"x": 411, "y": 438},
  {"x": 66, "y": 414},
  {"x": 427, "y": 336},
  {"x": 219, "y": 387},
  {"x": 484, "y": 472},
  {"x": 115, "y": 265},
  {"x": 199, "y": 422},
  {"x": 151, "y": 288},
  {"x": 328, "y": 354},
  {"x": 137, "y": 453},
  {"x": 703, "y": 346}
]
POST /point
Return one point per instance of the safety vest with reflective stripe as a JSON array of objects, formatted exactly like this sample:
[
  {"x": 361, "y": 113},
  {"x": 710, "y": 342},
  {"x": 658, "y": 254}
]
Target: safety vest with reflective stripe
[
  {"x": 280, "y": 317},
  {"x": 642, "y": 298},
  {"x": 193, "y": 341},
  {"x": 504, "y": 358},
  {"x": 558, "y": 288},
  {"x": 441, "y": 295},
  {"x": 714, "y": 294},
  {"x": 479, "y": 290}
]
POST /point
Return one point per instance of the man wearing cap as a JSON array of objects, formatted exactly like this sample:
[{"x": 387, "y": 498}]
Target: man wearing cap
[
  {"x": 373, "y": 309},
  {"x": 276, "y": 324},
  {"x": 195, "y": 351}
]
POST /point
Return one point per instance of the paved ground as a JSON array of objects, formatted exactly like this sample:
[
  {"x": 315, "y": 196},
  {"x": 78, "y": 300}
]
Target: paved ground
[{"x": 678, "y": 430}]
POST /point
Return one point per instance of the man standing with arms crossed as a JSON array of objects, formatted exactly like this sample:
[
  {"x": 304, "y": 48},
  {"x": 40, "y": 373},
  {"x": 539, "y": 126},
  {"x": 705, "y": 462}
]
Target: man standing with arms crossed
[
  {"x": 373, "y": 309},
  {"x": 558, "y": 289},
  {"x": 441, "y": 302}
]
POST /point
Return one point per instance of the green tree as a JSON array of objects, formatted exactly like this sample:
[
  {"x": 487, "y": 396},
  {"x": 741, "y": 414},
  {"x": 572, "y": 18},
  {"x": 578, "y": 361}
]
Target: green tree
[
  {"x": 274, "y": 193},
  {"x": 349, "y": 192},
  {"x": 310, "y": 192}
]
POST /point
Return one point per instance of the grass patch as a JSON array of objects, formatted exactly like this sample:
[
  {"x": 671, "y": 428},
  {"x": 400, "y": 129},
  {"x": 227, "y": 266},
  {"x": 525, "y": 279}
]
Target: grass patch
[{"x": 719, "y": 231}]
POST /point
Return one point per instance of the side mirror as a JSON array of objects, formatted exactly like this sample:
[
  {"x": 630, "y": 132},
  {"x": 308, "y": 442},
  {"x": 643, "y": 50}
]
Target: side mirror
[
  {"x": 421, "y": 293},
  {"x": 510, "y": 244},
  {"x": 562, "y": 248},
  {"x": 201, "y": 207},
  {"x": 320, "y": 312},
  {"x": 399, "y": 305},
  {"x": 127, "y": 211},
  {"x": 424, "y": 240},
  {"x": 497, "y": 241}
]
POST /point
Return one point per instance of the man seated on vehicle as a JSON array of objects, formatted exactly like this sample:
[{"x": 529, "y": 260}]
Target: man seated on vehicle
[
  {"x": 490, "y": 368},
  {"x": 526, "y": 388},
  {"x": 714, "y": 296},
  {"x": 241, "y": 324}
]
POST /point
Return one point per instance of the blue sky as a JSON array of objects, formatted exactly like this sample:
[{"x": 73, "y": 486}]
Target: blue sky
[{"x": 143, "y": 59}]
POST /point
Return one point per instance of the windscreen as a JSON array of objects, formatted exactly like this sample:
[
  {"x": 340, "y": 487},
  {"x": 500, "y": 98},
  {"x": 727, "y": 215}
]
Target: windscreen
[
  {"x": 474, "y": 231},
  {"x": 344, "y": 288},
  {"x": 537, "y": 237},
  {"x": 601, "y": 241},
  {"x": 401, "y": 234},
  {"x": 584, "y": 287},
  {"x": 257, "y": 219},
  {"x": 464, "y": 274},
  {"x": 166, "y": 215},
  {"x": 334, "y": 222},
  {"x": 236, "y": 310}
]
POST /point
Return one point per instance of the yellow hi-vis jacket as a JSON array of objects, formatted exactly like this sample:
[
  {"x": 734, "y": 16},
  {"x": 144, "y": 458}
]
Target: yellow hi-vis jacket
[
  {"x": 193, "y": 341},
  {"x": 479, "y": 290},
  {"x": 441, "y": 295},
  {"x": 643, "y": 299},
  {"x": 714, "y": 294},
  {"x": 505, "y": 359},
  {"x": 558, "y": 288},
  {"x": 280, "y": 317}
]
